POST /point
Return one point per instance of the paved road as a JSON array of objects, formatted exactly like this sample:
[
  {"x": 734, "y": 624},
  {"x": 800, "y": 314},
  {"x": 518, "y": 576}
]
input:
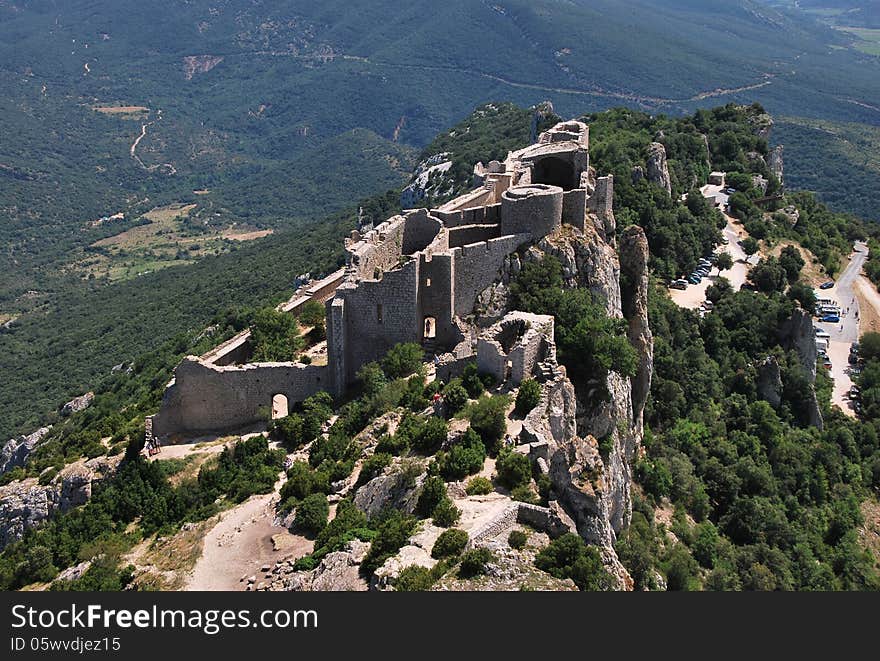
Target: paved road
[{"x": 846, "y": 332}]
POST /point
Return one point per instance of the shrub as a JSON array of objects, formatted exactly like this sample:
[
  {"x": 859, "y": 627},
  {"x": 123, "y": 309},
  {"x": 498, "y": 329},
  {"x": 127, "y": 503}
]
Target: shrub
[
  {"x": 288, "y": 431},
  {"x": 517, "y": 539},
  {"x": 464, "y": 458},
  {"x": 312, "y": 314},
  {"x": 394, "y": 445},
  {"x": 414, "y": 579},
  {"x": 528, "y": 397},
  {"x": 348, "y": 524},
  {"x": 433, "y": 492},
  {"x": 302, "y": 481},
  {"x": 446, "y": 513},
  {"x": 431, "y": 436},
  {"x": 473, "y": 562},
  {"x": 393, "y": 531},
  {"x": 488, "y": 418},
  {"x": 371, "y": 378},
  {"x": 403, "y": 360},
  {"x": 514, "y": 469},
  {"x": 312, "y": 513},
  {"x": 449, "y": 544},
  {"x": 471, "y": 381},
  {"x": 478, "y": 486},
  {"x": 569, "y": 557},
  {"x": 373, "y": 466},
  {"x": 524, "y": 494},
  {"x": 454, "y": 397},
  {"x": 274, "y": 336}
]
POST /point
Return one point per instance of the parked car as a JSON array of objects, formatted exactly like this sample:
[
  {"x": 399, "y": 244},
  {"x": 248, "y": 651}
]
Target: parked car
[
  {"x": 679, "y": 284},
  {"x": 694, "y": 279},
  {"x": 709, "y": 305},
  {"x": 822, "y": 333},
  {"x": 826, "y": 285},
  {"x": 725, "y": 240},
  {"x": 830, "y": 319}
]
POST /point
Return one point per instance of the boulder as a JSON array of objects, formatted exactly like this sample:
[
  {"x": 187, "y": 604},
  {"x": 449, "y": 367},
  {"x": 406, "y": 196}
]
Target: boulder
[{"x": 658, "y": 168}]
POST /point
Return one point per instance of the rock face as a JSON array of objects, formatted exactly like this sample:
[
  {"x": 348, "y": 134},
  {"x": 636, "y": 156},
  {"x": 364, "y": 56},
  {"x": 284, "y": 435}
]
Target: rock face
[
  {"x": 26, "y": 503},
  {"x": 389, "y": 490},
  {"x": 658, "y": 169},
  {"x": 799, "y": 335},
  {"x": 775, "y": 163},
  {"x": 634, "y": 286},
  {"x": 338, "y": 571},
  {"x": 770, "y": 382},
  {"x": 428, "y": 180},
  {"x": 78, "y": 404},
  {"x": 17, "y": 450}
]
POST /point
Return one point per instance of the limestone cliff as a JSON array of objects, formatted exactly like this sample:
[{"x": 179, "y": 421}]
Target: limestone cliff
[
  {"x": 776, "y": 163},
  {"x": 658, "y": 168},
  {"x": 26, "y": 503}
]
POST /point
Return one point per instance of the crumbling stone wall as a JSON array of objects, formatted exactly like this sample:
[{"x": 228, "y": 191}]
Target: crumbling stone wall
[
  {"x": 520, "y": 340},
  {"x": 475, "y": 268},
  {"x": 206, "y": 397},
  {"x": 467, "y": 234}
]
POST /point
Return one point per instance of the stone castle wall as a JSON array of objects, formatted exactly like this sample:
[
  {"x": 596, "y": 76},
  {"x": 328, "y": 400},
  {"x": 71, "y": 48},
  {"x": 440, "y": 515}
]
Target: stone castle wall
[
  {"x": 477, "y": 265},
  {"x": 206, "y": 397}
]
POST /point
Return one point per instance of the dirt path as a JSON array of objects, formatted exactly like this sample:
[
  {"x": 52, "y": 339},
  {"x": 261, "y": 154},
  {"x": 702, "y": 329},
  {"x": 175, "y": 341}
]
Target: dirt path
[
  {"x": 133, "y": 149},
  {"x": 869, "y": 305},
  {"x": 838, "y": 352},
  {"x": 241, "y": 543}
]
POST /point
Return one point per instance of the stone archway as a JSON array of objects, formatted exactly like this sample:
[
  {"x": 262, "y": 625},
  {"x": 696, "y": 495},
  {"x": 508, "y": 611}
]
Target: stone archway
[
  {"x": 429, "y": 329},
  {"x": 279, "y": 406}
]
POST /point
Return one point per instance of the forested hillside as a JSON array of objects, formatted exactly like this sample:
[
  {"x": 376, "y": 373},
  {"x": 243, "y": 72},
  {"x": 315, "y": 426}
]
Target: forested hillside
[{"x": 269, "y": 116}]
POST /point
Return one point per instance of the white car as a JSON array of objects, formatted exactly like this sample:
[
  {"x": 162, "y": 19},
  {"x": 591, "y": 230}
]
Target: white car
[{"x": 822, "y": 333}]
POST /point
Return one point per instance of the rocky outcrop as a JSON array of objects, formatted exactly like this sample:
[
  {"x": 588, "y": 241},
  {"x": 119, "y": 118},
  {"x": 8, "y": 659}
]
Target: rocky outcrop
[
  {"x": 658, "y": 168},
  {"x": 78, "y": 404},
  {"x": 338, "y": 572},
  {"x": 634, "y": 295},
  {"x": 769, "y": 382},
  {"x": 776, "y": 163},
  {"x": 16, "y": 451},
  {"x": 799, "y": 335},
  {"x": 429, "y": 180},
  {"x": 541, "y": 115},
  {"x": 396, "y": 488},
  {"x": 761, "y": 123},
  {"x": 708, "y": 150},
  {"x": 26, "y": 504}
]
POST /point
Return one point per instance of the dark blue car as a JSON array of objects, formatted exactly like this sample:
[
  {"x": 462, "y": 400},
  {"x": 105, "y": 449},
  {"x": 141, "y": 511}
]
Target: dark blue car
[
  {"x": 826, "y": 285},
  {"x": 830, "y": 318}
]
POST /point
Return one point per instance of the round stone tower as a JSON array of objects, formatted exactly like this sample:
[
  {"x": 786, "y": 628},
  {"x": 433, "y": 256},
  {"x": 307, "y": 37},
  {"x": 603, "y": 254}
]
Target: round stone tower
[{"x": 534, "y": 209}]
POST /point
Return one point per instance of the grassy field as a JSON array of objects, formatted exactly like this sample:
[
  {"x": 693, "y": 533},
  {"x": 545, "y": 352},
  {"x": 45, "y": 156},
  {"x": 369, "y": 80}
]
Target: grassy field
[
  {"x": 172, "y": 235},
  {"x": 869, "y": 40},
  {"x": 123, "y": 112}
]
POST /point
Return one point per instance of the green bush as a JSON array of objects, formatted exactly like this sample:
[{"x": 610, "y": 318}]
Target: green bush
[
  {"x": 393, "y": 531},
  {"x": 478, "y": 486},
  {"x": 302, "y": 481},
  {"x": 471, "y": 381},
  {"x": 454, "y": 397},
  {"x": 524, "y": 494},
  {"x": 373, "y": 466},
  {"x": 311, "y": 513},
  {"x": 517, "y": 539},
  {"x": 431, "y": 435},
  {"x": 528, "y": 397},
  {"x": 414, "y": 578},
  {"x": 514, "y": 469},
  {"x": 446, "y": 513},
  {"x": 474, "y": 562},
  {"x": 488, "y": 417},
  {"x": 274, "y": 336},
  {"x": 449, "y": 544},
  {"x": 569, "y": 557},
  {"x": 432, "y": 494},
  {"x": 464, "y": 458},
  {"x": 403, "y": 360}
]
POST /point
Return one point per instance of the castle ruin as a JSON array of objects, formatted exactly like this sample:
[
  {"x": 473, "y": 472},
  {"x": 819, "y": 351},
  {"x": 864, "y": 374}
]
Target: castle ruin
[{"x": 416, "y": 277}]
